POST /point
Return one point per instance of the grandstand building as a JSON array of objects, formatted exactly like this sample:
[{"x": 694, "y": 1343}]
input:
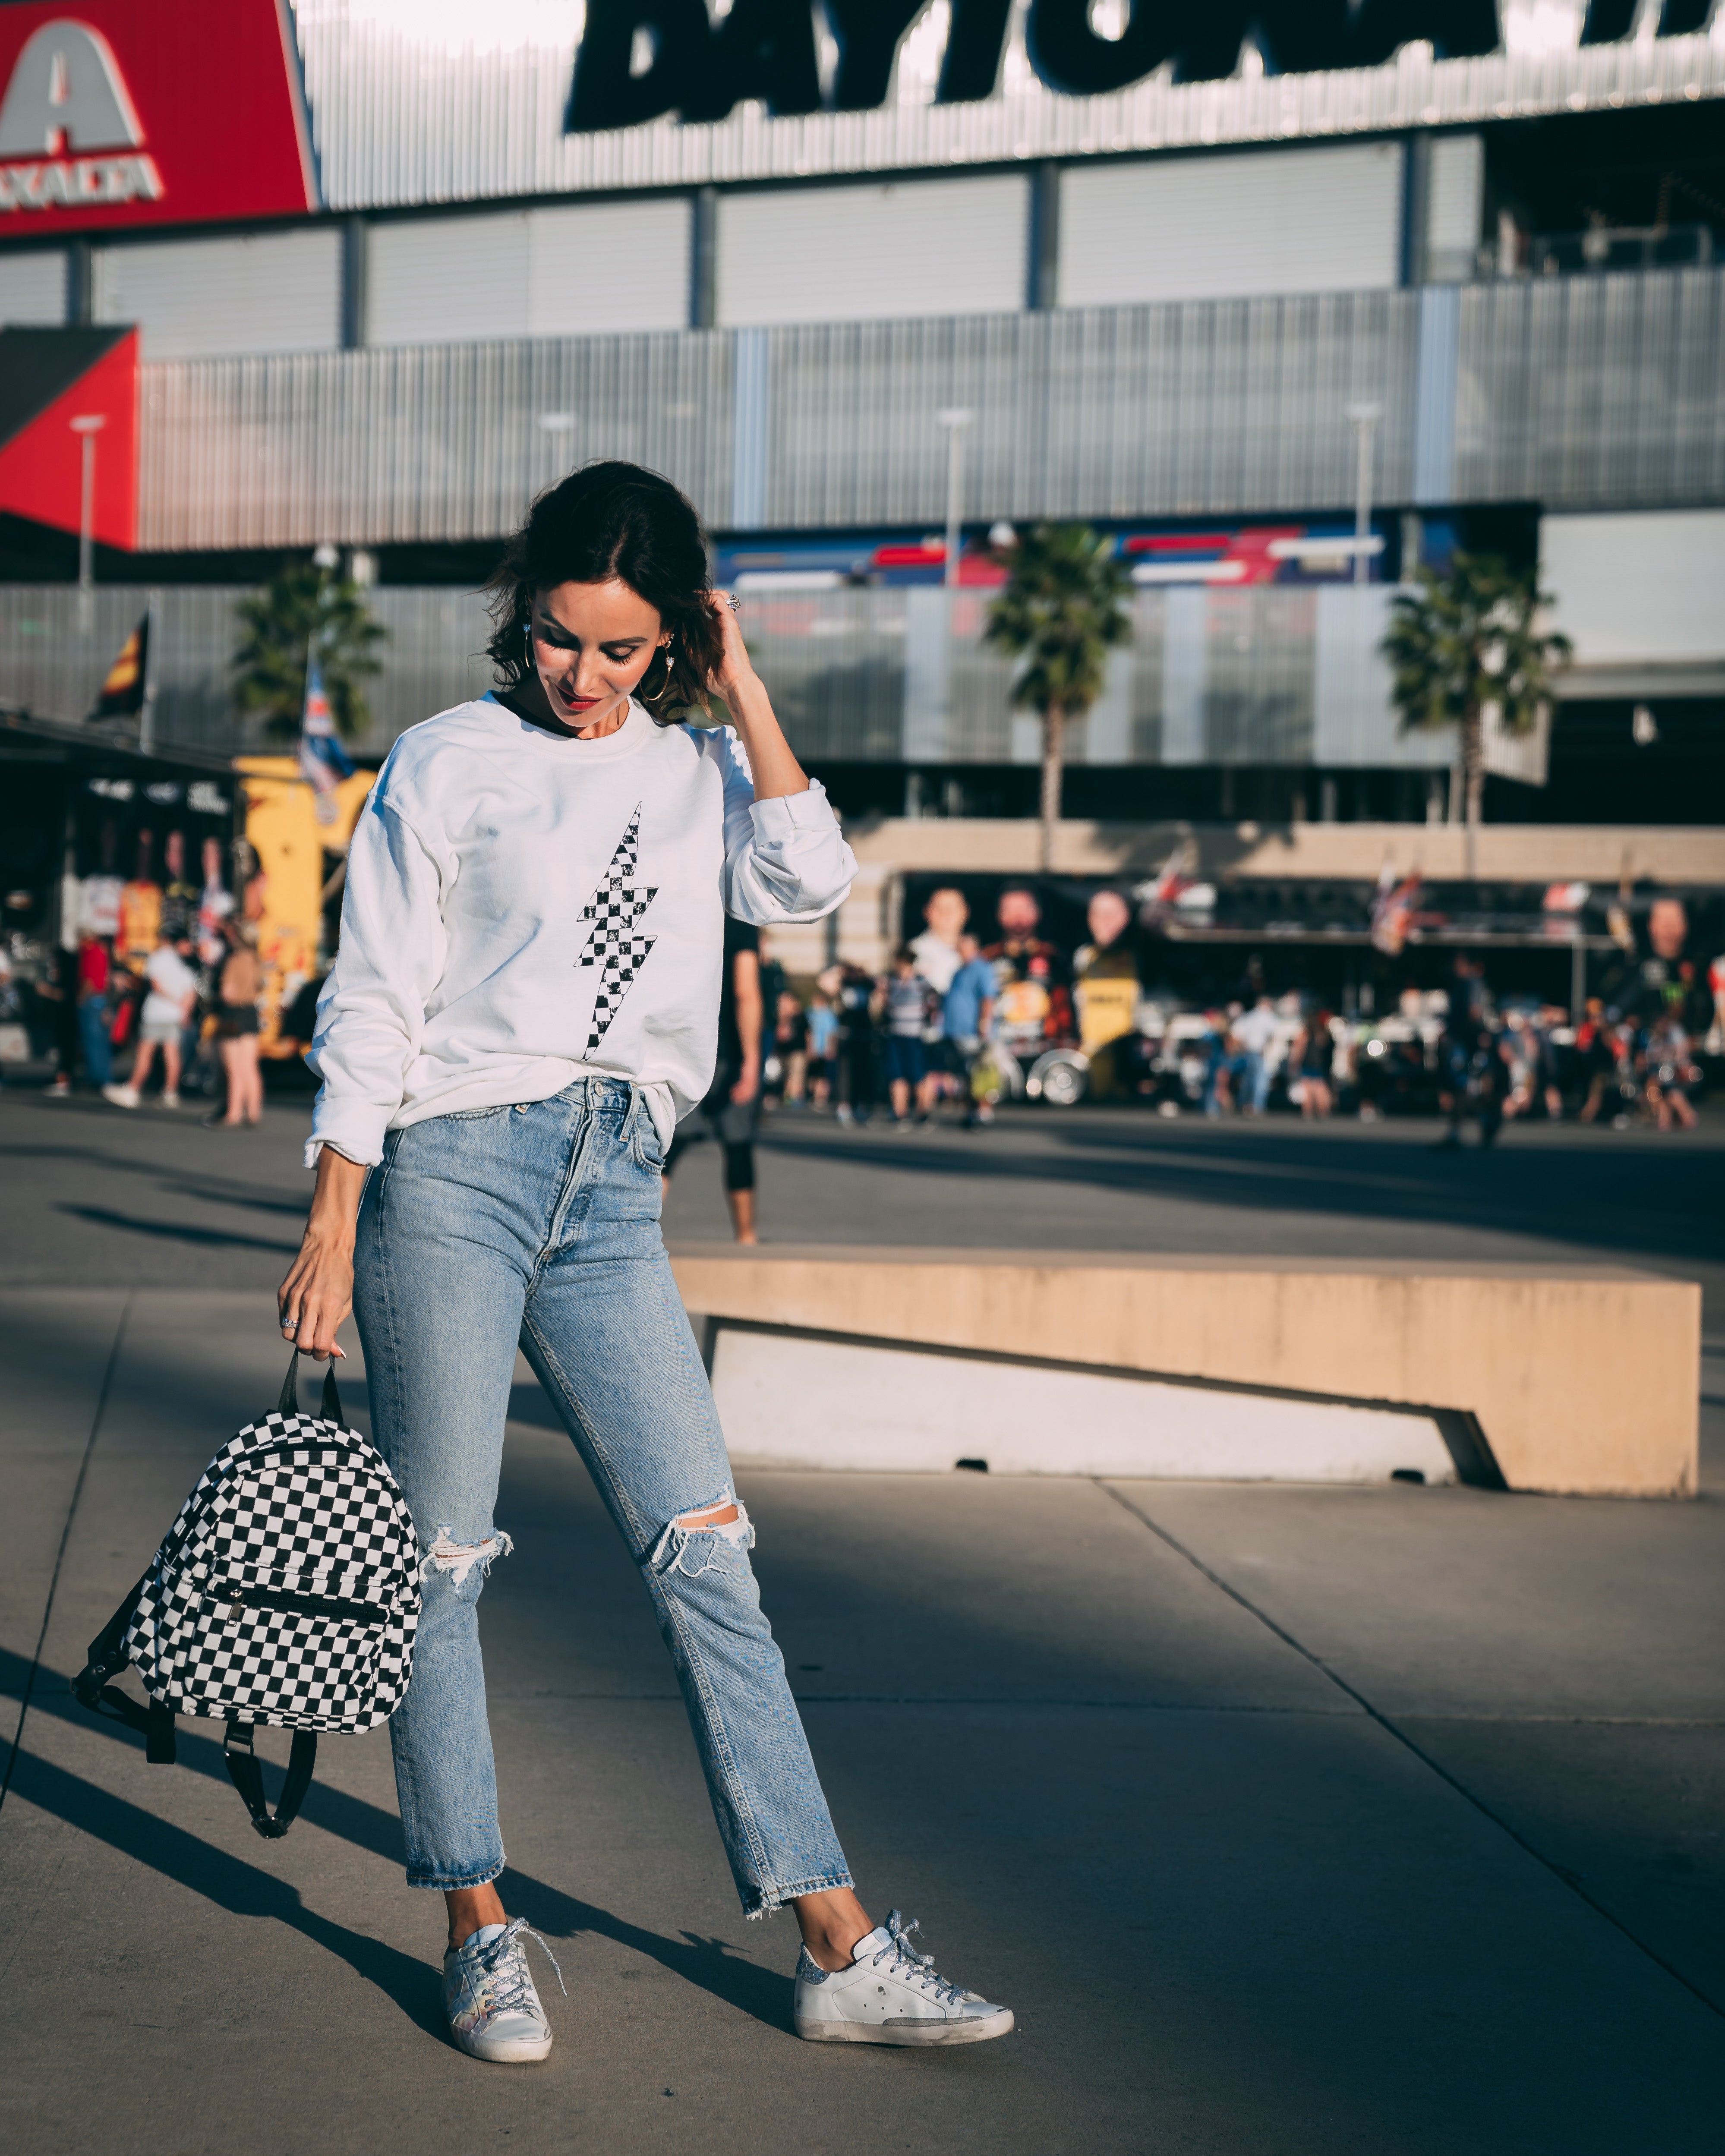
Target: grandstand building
[{"x": 366, "y": 275}]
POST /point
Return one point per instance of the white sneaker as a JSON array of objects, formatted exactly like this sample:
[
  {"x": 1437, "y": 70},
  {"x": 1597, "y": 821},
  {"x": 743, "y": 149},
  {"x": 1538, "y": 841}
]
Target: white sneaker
[
  {"x": 122, "y": 1096},
  {"x": 489, "y": 1997},
  {"x": 891, "y": 1994},
  {"x": 170, "y": 1100}
]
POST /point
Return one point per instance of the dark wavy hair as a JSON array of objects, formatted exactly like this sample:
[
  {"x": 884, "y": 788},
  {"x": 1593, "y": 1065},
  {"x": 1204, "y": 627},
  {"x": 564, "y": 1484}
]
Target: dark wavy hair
[{"x": 615, "y": 520}]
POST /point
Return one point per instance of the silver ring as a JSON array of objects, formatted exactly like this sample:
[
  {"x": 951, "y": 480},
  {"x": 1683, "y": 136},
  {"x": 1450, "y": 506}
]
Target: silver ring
[
  {"x": 731, "y": 601},
  {"x": 290, "y": 1325}
]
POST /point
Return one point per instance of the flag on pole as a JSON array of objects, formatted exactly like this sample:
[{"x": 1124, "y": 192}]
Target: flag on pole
[
  {"x": 324, "y": 763},
  {"x": 121, "y": 695}
]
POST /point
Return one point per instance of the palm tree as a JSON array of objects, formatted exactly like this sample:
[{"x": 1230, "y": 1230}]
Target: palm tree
[
  {"x": 306, "y": 606},
  {"x": 1469, "y": 643},
  {"x": 1060, "y": 611}
]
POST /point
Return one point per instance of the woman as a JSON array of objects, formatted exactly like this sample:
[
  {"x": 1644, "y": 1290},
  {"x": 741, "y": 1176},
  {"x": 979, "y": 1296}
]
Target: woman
[
  {"x": 171, "y": 999},
  {"x": 1313, "y": 1059},
  {"x": 525, "y": 1000},
  {"x": 240, "y": 983}
]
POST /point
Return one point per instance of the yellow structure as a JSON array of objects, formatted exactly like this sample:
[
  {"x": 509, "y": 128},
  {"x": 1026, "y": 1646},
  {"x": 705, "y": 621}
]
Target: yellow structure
[{"x": 282, "y": 825}]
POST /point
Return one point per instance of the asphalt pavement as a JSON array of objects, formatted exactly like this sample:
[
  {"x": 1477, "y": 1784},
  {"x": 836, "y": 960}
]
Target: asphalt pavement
[{"x": 1288, "y": 1820}]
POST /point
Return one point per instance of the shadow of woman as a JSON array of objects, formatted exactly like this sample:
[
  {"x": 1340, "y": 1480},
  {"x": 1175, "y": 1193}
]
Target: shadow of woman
[
  {"x": 711, "y": 1964},
  {"x": 242, "y": 1889}
]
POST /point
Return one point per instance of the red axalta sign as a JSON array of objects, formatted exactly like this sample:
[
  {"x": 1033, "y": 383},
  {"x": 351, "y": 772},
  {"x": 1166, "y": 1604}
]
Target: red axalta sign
[{"x": 113, "y": 113}]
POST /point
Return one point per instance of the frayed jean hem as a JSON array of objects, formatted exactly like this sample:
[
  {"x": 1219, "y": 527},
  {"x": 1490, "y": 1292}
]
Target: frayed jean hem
[
  {"x": 768, "y": 1900},
  {"x": 458, "y": 1885}
]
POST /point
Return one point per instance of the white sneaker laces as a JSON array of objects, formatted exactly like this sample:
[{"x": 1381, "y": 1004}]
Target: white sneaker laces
[
  {"x": 504, "y": 1961},
  {"x": 912, "y": 1967}
]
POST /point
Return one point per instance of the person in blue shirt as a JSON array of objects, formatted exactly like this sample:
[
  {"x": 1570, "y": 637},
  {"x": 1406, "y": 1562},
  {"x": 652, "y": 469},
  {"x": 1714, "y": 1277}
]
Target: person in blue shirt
[
  {"x": 967, "y": 1015},
  {"x": 822, "y": 1050}
]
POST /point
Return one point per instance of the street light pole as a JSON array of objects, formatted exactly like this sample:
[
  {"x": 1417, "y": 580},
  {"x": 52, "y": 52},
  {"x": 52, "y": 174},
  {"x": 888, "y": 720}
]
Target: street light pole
[
  {"x": 87, "y": 426},
  {"x": 1363, "y": 419},
  {"x": 955, "y": 420}
]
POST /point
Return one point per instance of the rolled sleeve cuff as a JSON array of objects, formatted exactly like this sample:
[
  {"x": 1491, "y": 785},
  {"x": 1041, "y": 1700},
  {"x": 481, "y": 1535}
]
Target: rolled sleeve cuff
[
  {"x": 809, "y": 811},
  {"x": 356, "y": 1133}
]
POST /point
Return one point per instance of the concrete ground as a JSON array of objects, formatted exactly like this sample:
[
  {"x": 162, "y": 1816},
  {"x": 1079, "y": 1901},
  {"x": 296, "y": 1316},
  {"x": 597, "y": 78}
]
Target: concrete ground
[{"x": 1288, "y": 1820}]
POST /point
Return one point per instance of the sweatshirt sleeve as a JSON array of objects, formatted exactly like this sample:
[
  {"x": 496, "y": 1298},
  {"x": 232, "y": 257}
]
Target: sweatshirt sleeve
[
  {"x": 371, "y": 1012},
  {"x": 784, "y": 860}
]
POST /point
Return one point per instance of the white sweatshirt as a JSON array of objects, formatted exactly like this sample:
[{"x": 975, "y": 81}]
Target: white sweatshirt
[{"x": 522, "y": 910}]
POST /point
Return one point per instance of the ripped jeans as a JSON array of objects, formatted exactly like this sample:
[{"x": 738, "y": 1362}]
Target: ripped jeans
[{"x": 539, "y": 1224}]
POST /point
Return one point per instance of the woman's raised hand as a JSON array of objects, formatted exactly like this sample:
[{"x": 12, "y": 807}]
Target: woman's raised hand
[{"x": 735, "y": 669}]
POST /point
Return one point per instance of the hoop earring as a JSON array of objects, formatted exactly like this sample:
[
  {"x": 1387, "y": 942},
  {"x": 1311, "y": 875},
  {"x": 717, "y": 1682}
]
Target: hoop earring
[{"x": 658, "y": 695}]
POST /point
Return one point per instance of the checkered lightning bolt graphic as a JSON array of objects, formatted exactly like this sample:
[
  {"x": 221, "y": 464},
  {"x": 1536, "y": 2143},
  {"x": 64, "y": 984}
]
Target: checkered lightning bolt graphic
[{"x": 612, "y": 943}]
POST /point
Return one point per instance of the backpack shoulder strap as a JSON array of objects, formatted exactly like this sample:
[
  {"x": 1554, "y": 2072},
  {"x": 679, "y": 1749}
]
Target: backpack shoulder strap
[
  {"x": 107, "y": 1658},
  {"x": 247, "y": 1776}
]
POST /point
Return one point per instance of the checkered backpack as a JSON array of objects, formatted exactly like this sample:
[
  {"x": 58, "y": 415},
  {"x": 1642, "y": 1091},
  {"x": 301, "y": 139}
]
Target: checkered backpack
[{"x": 287, "y": 1592}]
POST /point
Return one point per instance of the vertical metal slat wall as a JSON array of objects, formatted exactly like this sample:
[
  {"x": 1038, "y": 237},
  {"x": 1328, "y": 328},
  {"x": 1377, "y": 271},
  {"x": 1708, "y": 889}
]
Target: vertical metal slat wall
[{"x": 1596, "y": 392}]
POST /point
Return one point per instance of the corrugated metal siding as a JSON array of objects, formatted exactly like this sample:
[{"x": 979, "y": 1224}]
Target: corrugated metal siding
[
  {"x": 267, "y": 291},
  {"x": 1593, "y": 391},
  {"x": 1260, "y": 676},
  {"x": 433, "y": 657},
  {"x": 1259, "y": 659},
  {"x": 437, "y": 442},
  {"x": 930, "y": 247},
  {"x": 1317, "y": 220},
  {"x": 33, "y": 290},
  {"x": 400, "y": 119},
  {"x": 49, "y": 667},
  {"x": 1192, "y": 409},
  {"x": 1577, "y": 391},
  {"x": 557, "y": 272},
  {"x": 836, "y": 661}
]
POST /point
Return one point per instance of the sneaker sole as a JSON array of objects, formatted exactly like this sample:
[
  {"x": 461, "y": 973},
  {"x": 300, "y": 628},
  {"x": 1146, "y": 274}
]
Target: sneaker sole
[
  {"x": 519, "y": 2051},
  {"x": 978, "y": 2030}
]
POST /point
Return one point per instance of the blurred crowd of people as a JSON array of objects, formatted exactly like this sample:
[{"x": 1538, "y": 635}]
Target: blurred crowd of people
[
  {"x": 161, "y": 985},
  {"x": 961, "y": 1024},
  {"x": 952, "y": 1021}
]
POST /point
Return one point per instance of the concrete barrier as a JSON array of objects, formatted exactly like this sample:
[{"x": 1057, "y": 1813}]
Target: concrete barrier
[{"x": 1578, "y": 1379}]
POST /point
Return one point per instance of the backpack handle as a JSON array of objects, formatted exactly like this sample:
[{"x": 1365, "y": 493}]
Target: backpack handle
[{"x": 289, "y": 1403}]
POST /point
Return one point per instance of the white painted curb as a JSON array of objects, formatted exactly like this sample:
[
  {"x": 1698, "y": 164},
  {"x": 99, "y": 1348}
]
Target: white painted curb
[{"x": 787, "y": 1400}]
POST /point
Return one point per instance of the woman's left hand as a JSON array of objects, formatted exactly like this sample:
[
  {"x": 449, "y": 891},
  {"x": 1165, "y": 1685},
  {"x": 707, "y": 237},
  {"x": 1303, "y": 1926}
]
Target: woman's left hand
[{"x": 735, "y": 669}]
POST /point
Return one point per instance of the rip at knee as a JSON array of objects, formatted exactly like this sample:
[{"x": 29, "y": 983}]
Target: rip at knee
[
  {"x": 465, "y": 1564},
  {"x": 692, "y": 1543}
]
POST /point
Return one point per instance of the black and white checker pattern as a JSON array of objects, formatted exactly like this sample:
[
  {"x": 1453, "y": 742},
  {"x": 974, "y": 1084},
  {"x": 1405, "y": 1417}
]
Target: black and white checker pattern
[
  {"x": 612, "y": 943},
  {"x": 299, "y": 1510}
]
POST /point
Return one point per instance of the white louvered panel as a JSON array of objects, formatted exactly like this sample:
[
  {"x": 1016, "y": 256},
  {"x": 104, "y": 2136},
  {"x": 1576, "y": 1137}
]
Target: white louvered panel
[
  {"x": 585, "y": 270},
  {"x": 447, "y": 280},
  {"x": 608, "y": 266},
  {"x": 1320, "y": 220},
  {"x": 1455, "y": 207},
  {"x": 870, "y": 254},
  {"x": 33, "y": 290},
  {"x": 205, "y": 298}
]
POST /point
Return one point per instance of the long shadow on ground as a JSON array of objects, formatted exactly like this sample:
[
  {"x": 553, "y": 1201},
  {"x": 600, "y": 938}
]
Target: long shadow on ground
[{"x": 245, "y": 1891}]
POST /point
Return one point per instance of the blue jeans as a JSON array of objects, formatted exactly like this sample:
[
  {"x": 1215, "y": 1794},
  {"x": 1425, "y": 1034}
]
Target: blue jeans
[
  {"x": 98, "y": 1049},
  {"x": 539, "y": 1224}
]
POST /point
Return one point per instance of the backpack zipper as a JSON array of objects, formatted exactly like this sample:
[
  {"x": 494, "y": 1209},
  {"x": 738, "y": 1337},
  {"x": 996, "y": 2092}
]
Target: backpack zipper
[{"x": 334, "y": 1606}]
